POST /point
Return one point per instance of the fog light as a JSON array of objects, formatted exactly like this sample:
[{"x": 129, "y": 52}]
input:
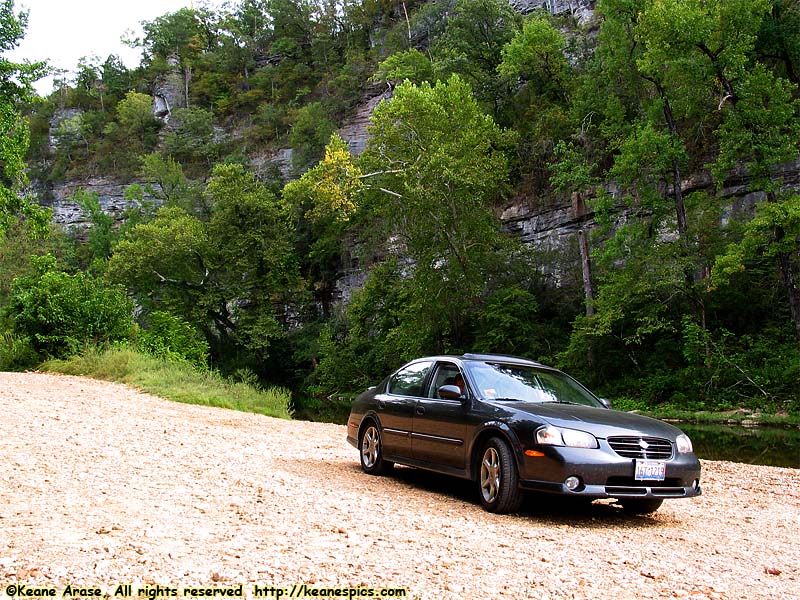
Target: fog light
[{"x": 572, "y": 483}]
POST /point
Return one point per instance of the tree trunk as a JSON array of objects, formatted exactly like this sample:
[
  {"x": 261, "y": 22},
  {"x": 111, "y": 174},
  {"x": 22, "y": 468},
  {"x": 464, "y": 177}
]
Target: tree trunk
[
  {"x": 579, "y": 209},
  {"x": 787, "y": 274},
  {"x": 789, "y": 282},
  {"x": 586, "y": 269}
]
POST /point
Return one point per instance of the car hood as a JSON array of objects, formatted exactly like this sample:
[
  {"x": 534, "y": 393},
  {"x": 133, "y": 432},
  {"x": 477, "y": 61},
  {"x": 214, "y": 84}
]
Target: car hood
[{"x": 601, "y": 422}]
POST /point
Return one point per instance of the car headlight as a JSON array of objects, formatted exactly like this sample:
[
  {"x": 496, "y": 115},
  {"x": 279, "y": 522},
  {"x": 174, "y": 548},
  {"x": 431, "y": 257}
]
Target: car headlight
[
  {"x": 553, "y": 436},
  {"x": 683, "y": 444}
]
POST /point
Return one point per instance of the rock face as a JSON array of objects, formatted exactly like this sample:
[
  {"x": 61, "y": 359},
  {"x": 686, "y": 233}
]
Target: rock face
[
  {"x": 61, "y": 116},
  {"x": 355, "y": 132},
  {"x": 582, "y": 10},
  {"x": 168, "y": 91},
  {"x": 70, "y": 215}
]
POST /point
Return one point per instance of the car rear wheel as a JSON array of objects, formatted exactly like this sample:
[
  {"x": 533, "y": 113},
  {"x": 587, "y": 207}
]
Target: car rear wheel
[
  {"x": 497, "y": 478},
  {"x": 372, "y": 460},
  {"x": 641, "y": 506}
]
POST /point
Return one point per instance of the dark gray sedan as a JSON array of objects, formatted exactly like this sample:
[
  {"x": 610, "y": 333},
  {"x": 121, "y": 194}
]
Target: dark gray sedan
[{"x": 511, "y": 425}]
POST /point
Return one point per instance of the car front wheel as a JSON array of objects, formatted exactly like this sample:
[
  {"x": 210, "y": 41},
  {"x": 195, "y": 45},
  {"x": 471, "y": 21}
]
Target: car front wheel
[
  {"x": 497, "y": 478},
  {"x": 372, "y": 460}
]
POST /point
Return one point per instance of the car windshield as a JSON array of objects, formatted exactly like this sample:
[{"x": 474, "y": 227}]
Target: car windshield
[{"x": 528, "y": 384}]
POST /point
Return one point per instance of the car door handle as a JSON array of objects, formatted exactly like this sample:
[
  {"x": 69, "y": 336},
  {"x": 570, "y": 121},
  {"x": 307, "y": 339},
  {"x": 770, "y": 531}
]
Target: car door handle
[{"x": 420, "y": 410}]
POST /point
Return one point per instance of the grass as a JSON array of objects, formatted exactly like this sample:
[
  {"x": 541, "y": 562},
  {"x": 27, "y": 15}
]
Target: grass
[{"x": 174, "y": 380}]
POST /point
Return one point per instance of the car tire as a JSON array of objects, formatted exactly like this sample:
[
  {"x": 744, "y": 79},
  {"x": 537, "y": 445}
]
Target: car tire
[
  {"x": 371, "y": 451},
  {"x": 497, "y": 478},
  {"x": 641, "y": 506}
]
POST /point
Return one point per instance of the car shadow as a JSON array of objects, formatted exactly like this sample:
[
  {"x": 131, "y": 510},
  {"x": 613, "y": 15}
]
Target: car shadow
[{"x": 545, "y": 508}]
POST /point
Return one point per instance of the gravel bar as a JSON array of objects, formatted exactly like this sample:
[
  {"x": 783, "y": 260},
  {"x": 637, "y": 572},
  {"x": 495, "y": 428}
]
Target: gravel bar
[{"x": 102, "y": 485}]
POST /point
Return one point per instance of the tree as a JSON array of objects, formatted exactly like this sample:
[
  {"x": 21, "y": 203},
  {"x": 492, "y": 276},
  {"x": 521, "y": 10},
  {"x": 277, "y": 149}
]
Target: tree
[
  {"x": 435, "y": 163},
  {"x": 16, "y": 81},
  {"x": 324, "y": 200},
  {"x": 191, "y": 138},
  {"x": 232, "y": 276},
  {"x": 311, "y": 129},
  {"x": 472, "y": 45},
  {"x": 167, "y": 183},
  {"x": 408, "y": 64},
  {"x": 60, "y": 313},
  {"x": 135, "y": 116},
  {"x": 182, "y": 35},
  {"x": 536, "y": 55}
]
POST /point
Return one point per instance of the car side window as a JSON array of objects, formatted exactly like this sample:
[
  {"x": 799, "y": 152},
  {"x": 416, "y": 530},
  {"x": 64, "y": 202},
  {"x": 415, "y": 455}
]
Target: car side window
[
  {"x": 409, "y": 381},
  {"x": 446, "y": 374}
]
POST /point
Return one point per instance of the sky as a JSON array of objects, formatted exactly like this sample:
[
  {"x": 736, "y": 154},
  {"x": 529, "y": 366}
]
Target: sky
[{"x": 63, "y": 31}]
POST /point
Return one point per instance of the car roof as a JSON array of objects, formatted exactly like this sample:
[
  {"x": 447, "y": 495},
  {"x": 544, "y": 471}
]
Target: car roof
[{"x": 492, "y": 358}]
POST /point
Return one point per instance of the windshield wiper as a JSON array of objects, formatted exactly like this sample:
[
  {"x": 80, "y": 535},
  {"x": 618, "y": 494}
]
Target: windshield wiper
[{"x": 562, "y": 402}]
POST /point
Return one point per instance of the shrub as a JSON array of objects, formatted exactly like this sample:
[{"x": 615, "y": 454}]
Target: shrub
[
  {"x": 168, "y": 336},
  {"x": 16, "y": 353},
  {"x": 61, "y": 313}
]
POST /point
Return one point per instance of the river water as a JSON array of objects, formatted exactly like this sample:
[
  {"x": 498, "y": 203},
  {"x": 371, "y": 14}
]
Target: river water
[{"x": 775, "y": 446}]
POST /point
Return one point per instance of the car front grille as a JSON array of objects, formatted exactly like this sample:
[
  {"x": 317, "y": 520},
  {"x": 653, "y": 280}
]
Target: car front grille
[{"x": 641, "y": 447}]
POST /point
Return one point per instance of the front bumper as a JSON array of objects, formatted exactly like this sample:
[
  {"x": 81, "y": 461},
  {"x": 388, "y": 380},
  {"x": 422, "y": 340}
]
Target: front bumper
[{"x": 604, "y": 474}]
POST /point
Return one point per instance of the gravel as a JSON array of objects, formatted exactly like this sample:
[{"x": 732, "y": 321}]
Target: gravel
[{"x": 101, "y": 485}]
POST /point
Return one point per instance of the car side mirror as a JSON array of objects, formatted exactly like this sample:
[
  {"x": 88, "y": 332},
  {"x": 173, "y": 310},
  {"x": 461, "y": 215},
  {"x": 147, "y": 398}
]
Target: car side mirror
[
  {"x": 605, "y": 402},
  {"x": 451, "y": 392}
]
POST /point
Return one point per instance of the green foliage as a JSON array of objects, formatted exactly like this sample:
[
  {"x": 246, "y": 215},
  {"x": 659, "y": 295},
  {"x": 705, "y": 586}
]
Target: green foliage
[
  {"x": 101, "y": 233},
  {"x": 774, "y": 231},
  {"x": 761, "y": 131},
  {"x": 536, "y": 54},
  {"x": 168, "y": 336},
  {"x": 167, "y": 183},
  {"x": 508, "y": 323},
  {"x": 135, "y": 116},
  {"x": 191, "y": 137},
  {"x": 409, "y": 65},
  {"x": 472, "y": 44},
  {"x": 435, "y": 166},
  {"x": 311, "y": 130},
  {"x": 15, "y": 86},
  {"x": 17, "y": 353},
  {"x": 228, "y": 276},
  {"x": 375, "y": 334},
  {"x": 61, "y": 313}
]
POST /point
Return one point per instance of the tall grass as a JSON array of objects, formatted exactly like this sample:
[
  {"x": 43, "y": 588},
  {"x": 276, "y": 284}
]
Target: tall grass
[{"x": 173, "y": 380}]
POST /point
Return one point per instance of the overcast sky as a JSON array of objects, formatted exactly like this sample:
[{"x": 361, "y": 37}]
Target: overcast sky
[{"x": 63, "y": 31}]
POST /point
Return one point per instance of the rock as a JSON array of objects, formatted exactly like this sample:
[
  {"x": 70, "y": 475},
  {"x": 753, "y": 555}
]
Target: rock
[{"x": 168, "y": 91}]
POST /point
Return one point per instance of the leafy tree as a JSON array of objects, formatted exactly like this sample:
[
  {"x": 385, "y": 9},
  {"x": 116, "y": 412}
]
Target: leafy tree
[
  {"x": 411, "y": 64},
  {"x": 15, "y": 86},
  {"x": 376, "y": 332},
  {"x": 436, "y": 164},
  {"x": 325, "y": 200},
  {"x": 311, "y": 130},
  {"x": 232, "y": 276},
  {"x": 135, "y": 116},
  {"x": 472, "y": 45},
  {"x": 167, "y": 183},
  {"x": 182, "y": 35},
  {"x": 191, "y": 137},
  {"x": 60, "y": 313},
  {"x": 536, "y": 54}
]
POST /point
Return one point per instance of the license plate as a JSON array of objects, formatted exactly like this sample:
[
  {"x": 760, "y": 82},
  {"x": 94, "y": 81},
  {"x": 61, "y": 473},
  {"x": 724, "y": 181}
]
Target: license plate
[{"x": 650, "y": 470}]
